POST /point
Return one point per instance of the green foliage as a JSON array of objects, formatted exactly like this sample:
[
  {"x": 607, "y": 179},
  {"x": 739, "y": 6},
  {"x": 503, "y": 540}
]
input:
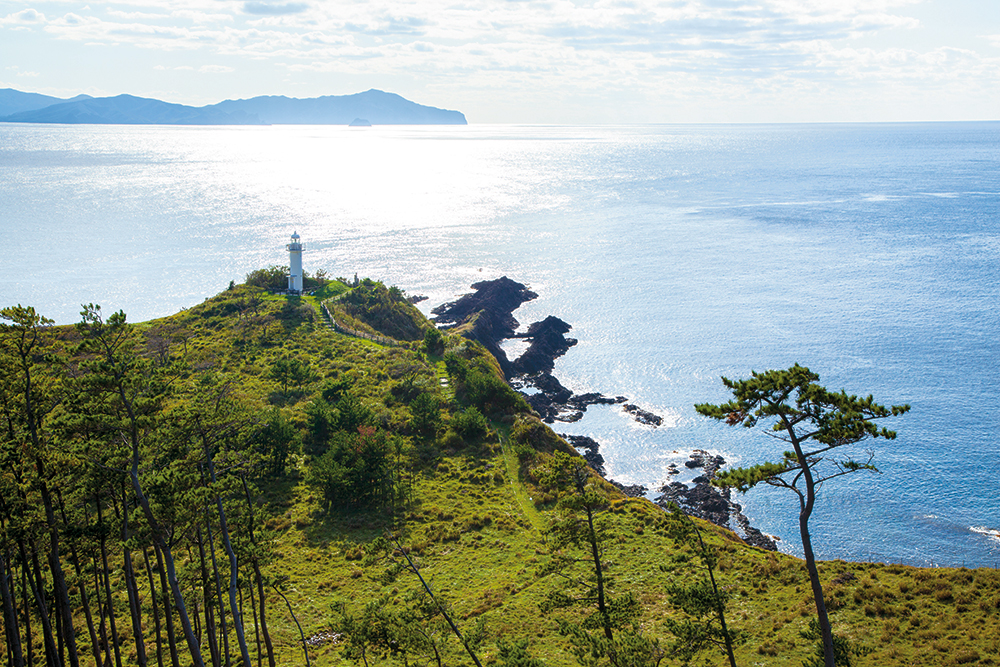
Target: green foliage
[
  {"x": 797, "y": 410},
  {"x": 351, "y": 413},
  {"x": 275, "y": 440},
  {"x": 426, "y": 411},
  {"x": 815, "y": 422},
  {"x": 433, "y": 341},
  {"x": 472, "y": 525},
  {"x": 470, "y": 424},
  {"x": 515, "y": 654},
  {"x": 531, "y": 436},
  {"x": 384, "y": 309},
  {"x": 271, "y": 278},
  {"x": 481, "y": 385},
  {"x": 359, "y": 469},
  {"x": 628, "y": 648},
  {"x": 843, "y": 648},
  {"x": 702, "y": 601},
  {"x": 290, "y": 370}
]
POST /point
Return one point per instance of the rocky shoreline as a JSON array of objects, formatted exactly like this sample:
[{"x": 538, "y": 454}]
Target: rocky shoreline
[
  {"x": 709, "y": 502},
  {"x": 486, "y": 316}
]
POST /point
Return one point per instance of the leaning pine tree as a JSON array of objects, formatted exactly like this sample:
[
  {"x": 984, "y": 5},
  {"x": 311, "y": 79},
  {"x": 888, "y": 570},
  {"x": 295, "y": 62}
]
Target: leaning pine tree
[{"x": 814, "y": 422}]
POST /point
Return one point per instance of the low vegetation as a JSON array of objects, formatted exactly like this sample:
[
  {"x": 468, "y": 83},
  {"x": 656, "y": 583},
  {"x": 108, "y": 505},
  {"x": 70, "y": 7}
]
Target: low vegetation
[{"x": 297, "y": 493}]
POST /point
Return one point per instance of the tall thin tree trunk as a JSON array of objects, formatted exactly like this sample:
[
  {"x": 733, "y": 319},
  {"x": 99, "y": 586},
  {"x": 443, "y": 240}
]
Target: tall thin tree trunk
[
  {"x": 257, "y": 576},
  {"x": 132, "y": 587},
  {"x": 210, "y": 629},
  {"x": 168, "y": 617},
  {"x": 106, "y": 578},
  {"x": 52, "y": 655},
  {"x": 156, "y": 608},
  {"x": 233, "y": 565},
  {"x": 81, "y": 581},
  {"x": 10, "y": 624},
  {"x": 806, "y": 507},
  {"x": 256, "y": 626},
  {"x": 102, "y": 626},
  {"x": 29, "y": 637},
  {"x": 218, "y": 591}
]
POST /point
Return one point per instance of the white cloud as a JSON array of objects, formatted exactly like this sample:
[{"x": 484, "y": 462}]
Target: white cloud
[
  {"x": 24, "y": 17},
  {"x": 215, "y": 69},
  {"x": 661, "y": 49}
]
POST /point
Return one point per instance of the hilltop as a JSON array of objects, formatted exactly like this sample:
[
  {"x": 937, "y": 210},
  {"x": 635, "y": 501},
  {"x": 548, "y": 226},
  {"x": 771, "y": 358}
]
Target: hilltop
[{"x": 341, "y": 417}]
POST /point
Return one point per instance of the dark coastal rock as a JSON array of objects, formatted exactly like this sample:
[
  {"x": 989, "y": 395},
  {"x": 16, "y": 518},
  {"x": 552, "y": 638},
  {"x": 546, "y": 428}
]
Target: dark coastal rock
[
  {"x": 643, "y": 416},
  {"x": 589, "y": 449},
  {"x": 709, "y": 502},
  {"x": 548, "y": 342},
  {"x": 488, "y": 311},
  {"x": 592, "y": 398},
  {"x": 486, "y": 316},
  {"x": 590, "y": 453},
  {"x": 630, "y": 490}
]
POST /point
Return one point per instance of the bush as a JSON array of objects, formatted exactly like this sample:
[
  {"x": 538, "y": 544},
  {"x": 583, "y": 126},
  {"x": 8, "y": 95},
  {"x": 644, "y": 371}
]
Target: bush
[
  {"x": 426, "y": 411},
  {"x": 433, "y": 341},
  {"x": 357, "y": 470},
  {"x": 273, "y": 277},
  {"x": 470, "y": 424},
  {"x": 275, "y": 441}
]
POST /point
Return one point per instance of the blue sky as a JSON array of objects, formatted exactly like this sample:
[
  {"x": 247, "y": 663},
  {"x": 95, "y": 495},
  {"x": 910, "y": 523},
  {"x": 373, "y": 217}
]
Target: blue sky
[{"x": 529, "y": 61}]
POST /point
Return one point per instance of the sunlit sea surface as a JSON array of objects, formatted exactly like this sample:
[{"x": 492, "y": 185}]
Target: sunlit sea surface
[{"x": 869, "y": 253}]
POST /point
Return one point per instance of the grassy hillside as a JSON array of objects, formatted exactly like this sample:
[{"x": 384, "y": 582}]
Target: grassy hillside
[{"x": 468, "y": 501}]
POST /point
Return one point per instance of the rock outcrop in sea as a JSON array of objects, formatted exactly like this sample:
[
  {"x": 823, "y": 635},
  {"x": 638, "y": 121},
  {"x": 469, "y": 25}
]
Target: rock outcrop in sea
[
  {"x": 708, "y": 502},
  {"x": 486, "y": 316}
]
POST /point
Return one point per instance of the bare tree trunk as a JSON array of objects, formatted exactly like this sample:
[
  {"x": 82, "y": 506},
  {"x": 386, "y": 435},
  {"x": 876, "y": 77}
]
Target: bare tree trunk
[
  {"x": 81, "y": 582},
  {"x": 210, "y": 629},
  {"x": 28, "y": 635},
  {"x": 218, "y": 591},
  {"x": 168, "y": 617},
  {"x": 107, "y": 586},
  {"x": 806, "y": 507},
  {"x": 156, "y": 609},
  {"x": 258, "y": 578},
  {"x": 233, "y": 565},
  {"x": 134, "y": 606},
  {"x": 102, "y": 628},
  {"x": 52, "y": 656},
  {"x": 256, "y": 625},
  {"x": 10, "y": 624}
]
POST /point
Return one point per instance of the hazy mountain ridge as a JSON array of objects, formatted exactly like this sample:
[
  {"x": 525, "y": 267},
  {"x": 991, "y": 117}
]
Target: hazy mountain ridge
[
  {"x": 375, "y": 106},
  {"x": 14, "y": 101}
]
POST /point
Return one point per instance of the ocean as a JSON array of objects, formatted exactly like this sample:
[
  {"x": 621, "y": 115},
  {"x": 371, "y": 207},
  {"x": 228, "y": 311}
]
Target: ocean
[{"x": 679, "y": 253}]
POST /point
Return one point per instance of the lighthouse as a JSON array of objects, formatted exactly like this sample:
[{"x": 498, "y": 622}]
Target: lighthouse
[{"x": 295, "y": 264}]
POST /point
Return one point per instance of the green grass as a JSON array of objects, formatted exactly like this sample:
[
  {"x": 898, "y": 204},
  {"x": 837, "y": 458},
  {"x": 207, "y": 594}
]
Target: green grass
[{"x": 477, "y": 527}]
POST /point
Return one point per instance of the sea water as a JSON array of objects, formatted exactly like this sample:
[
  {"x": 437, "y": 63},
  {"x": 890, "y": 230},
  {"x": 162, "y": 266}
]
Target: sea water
[{"x": 679, "y": 254}]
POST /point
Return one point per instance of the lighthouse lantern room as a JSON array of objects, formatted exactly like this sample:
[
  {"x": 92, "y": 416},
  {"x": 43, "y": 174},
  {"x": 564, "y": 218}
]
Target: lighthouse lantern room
[{"x": 295, "y": 264}]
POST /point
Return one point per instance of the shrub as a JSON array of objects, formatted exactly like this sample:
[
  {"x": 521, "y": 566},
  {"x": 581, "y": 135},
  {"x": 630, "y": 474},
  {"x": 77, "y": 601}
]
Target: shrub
[
  {"x": 273, "y": 277},
  {"x": 470, "y": 424}
]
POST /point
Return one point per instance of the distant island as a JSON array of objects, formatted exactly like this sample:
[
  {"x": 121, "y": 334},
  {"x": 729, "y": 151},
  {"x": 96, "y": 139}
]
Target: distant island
[{"x": 374, "y": 106}]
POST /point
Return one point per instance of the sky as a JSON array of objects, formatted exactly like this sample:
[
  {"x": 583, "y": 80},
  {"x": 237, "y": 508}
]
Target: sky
[{"x": 529, "y": 61}]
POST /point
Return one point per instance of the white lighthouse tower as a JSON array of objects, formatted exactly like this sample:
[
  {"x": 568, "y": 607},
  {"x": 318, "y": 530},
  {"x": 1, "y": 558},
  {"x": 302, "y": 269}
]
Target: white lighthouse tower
[{"x": 295, "y": 264}]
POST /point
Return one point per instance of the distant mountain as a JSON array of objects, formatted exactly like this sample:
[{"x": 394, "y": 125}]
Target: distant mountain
[
  {"x": 130, "y": 110},
  {"x": 375, "y": 106},
  {"x": 14, "y": 101},
  {"x": 378, "y": 107}
]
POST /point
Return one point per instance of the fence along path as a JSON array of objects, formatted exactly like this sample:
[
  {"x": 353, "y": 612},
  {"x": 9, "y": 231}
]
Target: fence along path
[{"x": 348, "y": 331}]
